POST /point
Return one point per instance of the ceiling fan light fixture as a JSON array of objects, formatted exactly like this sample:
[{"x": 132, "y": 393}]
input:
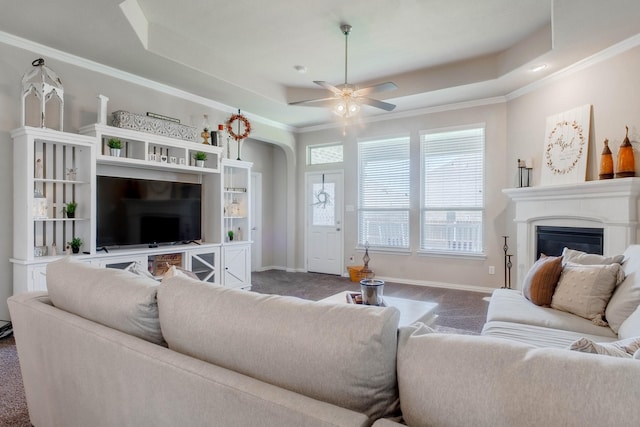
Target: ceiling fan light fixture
[{"x": 346, "y": 99}]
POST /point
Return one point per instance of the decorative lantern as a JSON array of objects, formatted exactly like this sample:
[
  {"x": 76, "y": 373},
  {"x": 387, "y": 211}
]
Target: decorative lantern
[
  {"x": 45, "y": 84},
  {"x": 626, "y": 160},
  {"x": 606, "y": 162}
]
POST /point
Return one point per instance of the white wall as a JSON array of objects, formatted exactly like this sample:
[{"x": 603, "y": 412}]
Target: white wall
[
  {"x": 413, "y": 268},
  {"x": 610, "y": 86},
  {"x": 81, "y": 90},
  {"x": 515, "y": 129}
]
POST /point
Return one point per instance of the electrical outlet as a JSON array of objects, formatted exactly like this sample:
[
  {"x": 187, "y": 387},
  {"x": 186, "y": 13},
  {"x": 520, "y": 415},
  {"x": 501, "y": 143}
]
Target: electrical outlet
[{"x": 492, "y": 269}]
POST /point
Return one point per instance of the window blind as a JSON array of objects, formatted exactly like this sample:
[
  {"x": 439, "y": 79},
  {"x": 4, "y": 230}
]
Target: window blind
[
  {"x": 383, "y": 193},
  {"x": 453, "y": 191}
]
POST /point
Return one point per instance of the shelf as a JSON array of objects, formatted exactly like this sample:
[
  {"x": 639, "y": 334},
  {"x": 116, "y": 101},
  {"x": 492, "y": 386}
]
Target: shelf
[
  {"x": 59, "y": 181},
  {"x": 146, "y": 164},
  {"x": 60, "y": 219}
]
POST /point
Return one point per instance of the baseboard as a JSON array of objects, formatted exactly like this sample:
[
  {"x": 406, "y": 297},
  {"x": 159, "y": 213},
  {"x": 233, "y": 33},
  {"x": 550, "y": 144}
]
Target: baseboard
[
  {"x": 481, "y": 289},
  {"x": 472, "y": 288}
]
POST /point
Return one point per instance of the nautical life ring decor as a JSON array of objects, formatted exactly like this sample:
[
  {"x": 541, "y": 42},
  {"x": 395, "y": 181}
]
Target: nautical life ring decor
[{"x": 240, "y": 118}]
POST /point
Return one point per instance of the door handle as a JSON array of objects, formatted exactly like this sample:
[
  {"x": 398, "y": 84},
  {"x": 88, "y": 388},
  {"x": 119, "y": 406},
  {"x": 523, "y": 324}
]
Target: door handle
[{"x": 337, "y": 229}]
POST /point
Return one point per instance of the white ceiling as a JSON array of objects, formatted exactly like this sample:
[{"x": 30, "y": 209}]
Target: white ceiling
[{"x": 242, "y": 53}]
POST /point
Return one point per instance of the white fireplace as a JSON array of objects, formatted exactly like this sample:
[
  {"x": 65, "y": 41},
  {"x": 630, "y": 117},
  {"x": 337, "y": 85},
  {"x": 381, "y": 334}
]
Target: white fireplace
[{"x": 611, "y": 205}]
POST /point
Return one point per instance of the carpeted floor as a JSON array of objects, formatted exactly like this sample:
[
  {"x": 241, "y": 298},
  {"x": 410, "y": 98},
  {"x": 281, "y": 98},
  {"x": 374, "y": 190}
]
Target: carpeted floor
[
  {"x": 459, "y": 312},
  {"x": 13, "y": 407}
]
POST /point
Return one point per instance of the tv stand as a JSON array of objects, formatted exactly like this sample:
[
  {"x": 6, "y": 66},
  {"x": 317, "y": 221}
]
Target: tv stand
[{"x": 61, "y": 167}]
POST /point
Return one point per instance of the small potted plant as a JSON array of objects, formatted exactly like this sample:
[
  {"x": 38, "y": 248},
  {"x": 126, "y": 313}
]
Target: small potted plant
[
  {"x": 75, "y": 244},
  {"x": 230, "y": 234},
  {"x": 70, "y": 209},
  {"x": 200, "y": 157},
  {"x": 115, "y": 145}
]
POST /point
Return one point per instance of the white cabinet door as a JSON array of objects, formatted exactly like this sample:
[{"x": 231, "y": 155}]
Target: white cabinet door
[
  {"x": 205, "y": 263},
  {"x": 237, "y": 266}
]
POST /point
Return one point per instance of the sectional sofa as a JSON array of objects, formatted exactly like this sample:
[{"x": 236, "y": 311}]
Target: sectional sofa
[{"x": 111, "y": 348}]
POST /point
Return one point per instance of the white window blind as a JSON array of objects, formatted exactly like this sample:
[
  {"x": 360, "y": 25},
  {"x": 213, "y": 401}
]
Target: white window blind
[
  {"x": 453, "y": 191},
  {"x": 383, "y": 193}
]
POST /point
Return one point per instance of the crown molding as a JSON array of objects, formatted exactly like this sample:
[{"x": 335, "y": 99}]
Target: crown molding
[
  {"x": 49, "y": 52},
  {"x": 583, "y": 64},
  {"x": 410, "y": 113}
]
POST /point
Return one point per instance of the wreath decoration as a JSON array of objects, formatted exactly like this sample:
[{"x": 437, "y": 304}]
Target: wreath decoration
[
  {"x": 247, "y": 126},
  {"x": 565, "y": 146}
]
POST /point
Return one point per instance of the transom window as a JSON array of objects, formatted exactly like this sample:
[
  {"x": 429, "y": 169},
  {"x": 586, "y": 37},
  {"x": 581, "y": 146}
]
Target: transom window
[
  {"x": 452, "y": 212},
  {"x": 323, "y": 154},
  {"x": 383, "y": 193}
]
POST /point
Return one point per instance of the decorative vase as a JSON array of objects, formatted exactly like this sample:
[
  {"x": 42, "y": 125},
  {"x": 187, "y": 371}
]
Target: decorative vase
[
  {"x": 200, "y": 163},
  {"x": 626, "y": 161},
  {"x": 75, "y": 249},
  {"x": 606, "y": 162},
  {"x": 115, "y": 152},
  {"x": 71, "y": 214}
]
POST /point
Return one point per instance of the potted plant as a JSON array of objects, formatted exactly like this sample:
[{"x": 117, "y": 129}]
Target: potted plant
[
  {"x": 75, "y": 244},
  {"x": 70, "y": 209},
  {"x": 230, "y": 234},
  {"x": 115, "y": 145},
  {"x": 200, "y": 157}
]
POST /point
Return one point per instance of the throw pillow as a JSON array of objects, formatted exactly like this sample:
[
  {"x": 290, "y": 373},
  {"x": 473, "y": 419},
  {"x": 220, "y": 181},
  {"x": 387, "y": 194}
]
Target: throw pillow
[
  {"x": 585, "y": 290},
  {"x": 622, "y": 348},
  {"x": 177, "y": 271},
  {"x": 137, "y": 268},
  {"x": 584, "y": 258},
  {"x": 541, "y": 280}
]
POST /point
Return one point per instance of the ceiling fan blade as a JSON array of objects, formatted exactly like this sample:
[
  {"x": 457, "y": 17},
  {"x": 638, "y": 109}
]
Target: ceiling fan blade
[
  {"x": 376, "y": 103},
  {"x": 382, "y": 87},
  {"x": 328, "y": 86},
  {"x": 320, "y": 102}
]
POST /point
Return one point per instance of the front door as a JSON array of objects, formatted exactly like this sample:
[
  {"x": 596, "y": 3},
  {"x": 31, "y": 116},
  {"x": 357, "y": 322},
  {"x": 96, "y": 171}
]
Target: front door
[{"x": 324, "y": 222}]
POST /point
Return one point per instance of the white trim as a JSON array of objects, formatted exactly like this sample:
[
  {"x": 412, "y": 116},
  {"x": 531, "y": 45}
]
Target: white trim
[
  {"x": 482, "y": 289},
  {"x": 87, "y": 64},
  {"x": 410, "y": 113}
]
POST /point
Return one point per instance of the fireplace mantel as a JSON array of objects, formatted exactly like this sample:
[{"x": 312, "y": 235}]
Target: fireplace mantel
[{"x": 608, "y": 204}]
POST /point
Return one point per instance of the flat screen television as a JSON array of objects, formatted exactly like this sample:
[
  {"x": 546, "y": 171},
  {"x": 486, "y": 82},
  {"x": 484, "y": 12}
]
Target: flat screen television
[{"x": 135, "y": 211}]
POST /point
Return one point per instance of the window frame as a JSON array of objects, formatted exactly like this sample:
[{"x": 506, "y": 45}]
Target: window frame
[
  {"x": 406, "y": 139},
  {"x": 422, "y": 202},
  {"x": 329, "y": 144}
]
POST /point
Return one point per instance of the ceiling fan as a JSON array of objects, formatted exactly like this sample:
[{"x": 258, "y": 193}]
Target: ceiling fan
[{"x": 347, "y": 98}]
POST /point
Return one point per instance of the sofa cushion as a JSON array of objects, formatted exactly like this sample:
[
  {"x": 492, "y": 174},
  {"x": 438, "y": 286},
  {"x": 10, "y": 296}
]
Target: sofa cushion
[
  {"x": 343, "y": 354},
  {"x": 626, "y": 296},
  {"x": 584, "y": 258},
  {"x": 621, "y": 348},
  {"x": 631, "y": 326},
  {"x": 537, "y": 335},
  {"x": 510, "y": 306},
  {"x": 541, "y": 280},
  {"x": 585, "y": 290},
  {"x": 461, "y": 380},
  {"x": 115, "y": 298}
]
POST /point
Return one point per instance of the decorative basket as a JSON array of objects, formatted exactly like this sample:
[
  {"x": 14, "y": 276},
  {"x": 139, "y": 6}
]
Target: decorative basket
[
  {"x": 355, "y": 273},
  {"x": 126, "y": 120}
]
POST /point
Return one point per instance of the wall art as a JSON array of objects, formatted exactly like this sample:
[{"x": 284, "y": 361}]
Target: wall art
[{"x": 566, "y": 146}]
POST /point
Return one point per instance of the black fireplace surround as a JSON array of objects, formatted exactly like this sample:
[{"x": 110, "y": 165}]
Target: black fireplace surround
[{"x": 552, "y": 240}]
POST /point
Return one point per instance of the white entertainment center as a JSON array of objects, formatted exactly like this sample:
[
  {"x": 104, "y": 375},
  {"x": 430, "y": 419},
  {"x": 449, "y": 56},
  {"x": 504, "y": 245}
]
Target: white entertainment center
[{"x": 53, "y": 168}]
